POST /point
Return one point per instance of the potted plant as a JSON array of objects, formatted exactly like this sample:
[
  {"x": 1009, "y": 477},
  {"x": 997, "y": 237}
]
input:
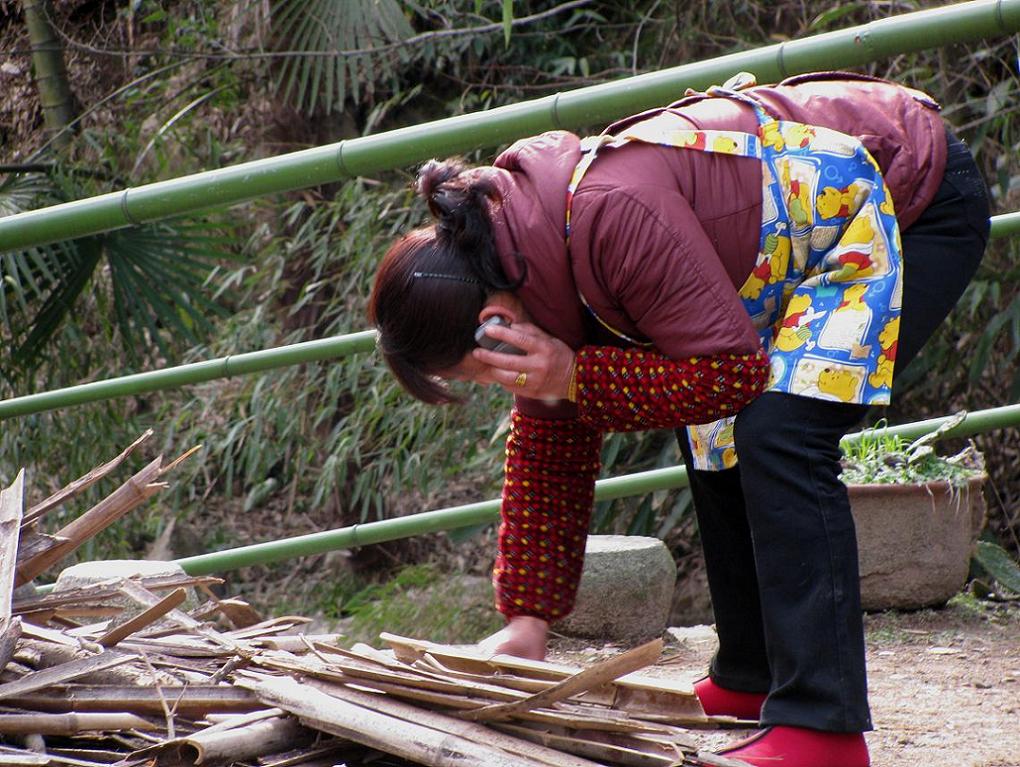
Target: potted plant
[{"x": 918, "y": 516}]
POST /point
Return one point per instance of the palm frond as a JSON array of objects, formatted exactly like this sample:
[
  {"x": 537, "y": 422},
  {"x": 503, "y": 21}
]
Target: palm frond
[
  {"x": 326, "y": 31},
  {"x": 78, "y": 263},
  {"x": 158, "y": 276},
  {"x": 38, "y": 284}
]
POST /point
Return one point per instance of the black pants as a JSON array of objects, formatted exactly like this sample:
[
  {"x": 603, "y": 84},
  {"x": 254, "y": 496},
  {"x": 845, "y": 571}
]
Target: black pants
[{"x": 779, "y": 540}]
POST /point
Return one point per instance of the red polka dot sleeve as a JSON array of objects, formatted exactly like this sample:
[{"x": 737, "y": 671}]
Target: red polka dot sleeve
[
  {"x": 631, "y": 389},
  {"x": 551, "y": 467}
]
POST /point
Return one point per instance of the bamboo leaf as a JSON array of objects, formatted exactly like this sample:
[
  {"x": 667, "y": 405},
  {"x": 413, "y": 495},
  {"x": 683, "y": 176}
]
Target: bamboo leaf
[
  {"x": 997, "y": 563},
  {"x": 508, "y": 20}
]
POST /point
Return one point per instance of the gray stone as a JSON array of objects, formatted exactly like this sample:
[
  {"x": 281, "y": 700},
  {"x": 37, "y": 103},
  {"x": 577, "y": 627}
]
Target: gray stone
[
  {"x": 625, "y": 592},
  {"x": 86, "y": 574}
]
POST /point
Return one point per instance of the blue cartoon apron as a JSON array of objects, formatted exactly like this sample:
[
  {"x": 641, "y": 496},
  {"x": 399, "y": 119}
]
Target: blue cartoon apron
[{"x": 826, "y": 289}]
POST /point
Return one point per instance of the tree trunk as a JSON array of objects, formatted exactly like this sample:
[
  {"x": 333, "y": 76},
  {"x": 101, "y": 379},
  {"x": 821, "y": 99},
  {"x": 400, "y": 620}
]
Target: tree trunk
[{"x": 50, "y": 73}]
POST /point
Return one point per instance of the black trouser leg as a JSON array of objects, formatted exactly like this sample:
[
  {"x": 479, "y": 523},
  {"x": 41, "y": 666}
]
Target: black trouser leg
[
  {"x": 740, "y": 662},
  {"x": 941, "y": 251},
  {"x": 805, "y": 551}
]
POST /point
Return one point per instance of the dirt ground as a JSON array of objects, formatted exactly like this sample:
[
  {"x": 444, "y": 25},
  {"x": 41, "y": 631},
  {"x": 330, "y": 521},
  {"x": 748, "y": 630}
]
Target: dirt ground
[{"x": 944, "y": 684}]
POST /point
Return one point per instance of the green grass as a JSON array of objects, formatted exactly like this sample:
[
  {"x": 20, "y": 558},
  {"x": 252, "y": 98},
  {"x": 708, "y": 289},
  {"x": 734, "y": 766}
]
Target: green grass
[
  {"x": 420, "y": 602},
  {"x": 882, "y": 458}
]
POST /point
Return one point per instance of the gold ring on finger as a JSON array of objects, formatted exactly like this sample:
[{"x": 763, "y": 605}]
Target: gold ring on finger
[{"x": 521, "y": 380}]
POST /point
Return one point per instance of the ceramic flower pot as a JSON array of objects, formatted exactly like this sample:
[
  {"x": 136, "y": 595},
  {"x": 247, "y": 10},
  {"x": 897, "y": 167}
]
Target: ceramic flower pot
[{"x": 915, "y": 541}]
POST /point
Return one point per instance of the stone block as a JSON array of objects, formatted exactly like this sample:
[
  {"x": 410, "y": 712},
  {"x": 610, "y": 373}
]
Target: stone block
[
  {"x": 86, "y": 574},
  {"x": 625, "y": 592}
]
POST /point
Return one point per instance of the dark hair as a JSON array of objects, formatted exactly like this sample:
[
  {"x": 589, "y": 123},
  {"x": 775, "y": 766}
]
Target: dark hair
[{"x": 433, "y": 282}]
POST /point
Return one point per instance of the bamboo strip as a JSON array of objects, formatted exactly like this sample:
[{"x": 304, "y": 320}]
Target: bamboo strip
[
  {"x": 588, "y": 717},
  {"x": 271, "y": 627},
  {"x": 70, "y": 724},
  {"x": 132, "y": 493},
  {"x": 74, "y": 669},
  {"x": 600, "y": 673},
  {"x": 265, "y": 736},
  {"x": 191, "y": 701},
  {"x": 635, "y": 693},
  {"x": 34, "y": 631},
  {"x": 233, "y": 721},
  {"x": 10, "y": 633},
  {"x": 24, "y": 759},
  {"x": 409, "y": 650},
  {"x": 33, "y": 542},
  {"x": 82, "y": 482},
  {"x": 608, "y": 752},
  {"x": 107, "y": 589},
  {"x": 523, "y": 684},
  {"x": 143, "y": 596},
  {"x": 409, "y": 740},
  {"x": 350, "y": 671},
  {"x": 239, "y": 613},
  {"x": 446, "y": 723},
  {"x": 143, "y": 619},
  {"x": 323, "y": 755},
  {"x": 12, "y": 504}
]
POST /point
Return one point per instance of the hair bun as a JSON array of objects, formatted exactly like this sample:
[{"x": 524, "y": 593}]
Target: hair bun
[{"x": 432, "y": 177}]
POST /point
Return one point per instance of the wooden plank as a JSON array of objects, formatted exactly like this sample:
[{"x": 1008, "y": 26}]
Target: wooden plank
[
  {"x": 65, "y": 672},
  {"x": 82, "y": 482},
  {"x": 127, "y": 628},
  {"x": 12, "y": 505},
  {"x": 600, "y": 673}
]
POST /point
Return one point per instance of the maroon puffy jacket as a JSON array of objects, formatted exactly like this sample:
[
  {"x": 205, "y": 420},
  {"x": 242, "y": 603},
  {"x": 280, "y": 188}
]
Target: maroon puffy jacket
[{"x": 663, "y": 238}]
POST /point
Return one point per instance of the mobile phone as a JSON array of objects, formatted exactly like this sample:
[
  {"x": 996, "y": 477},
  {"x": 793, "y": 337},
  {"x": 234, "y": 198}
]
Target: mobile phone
[{"x": 493, "y": 344}]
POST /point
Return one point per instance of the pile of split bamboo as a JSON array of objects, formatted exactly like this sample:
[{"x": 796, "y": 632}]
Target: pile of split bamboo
[{"x": 118, "y": 673}]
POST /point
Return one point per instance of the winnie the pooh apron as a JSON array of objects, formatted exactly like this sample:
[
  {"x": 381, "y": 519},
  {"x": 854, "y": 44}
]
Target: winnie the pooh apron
[{"x": 826, "y": 288}]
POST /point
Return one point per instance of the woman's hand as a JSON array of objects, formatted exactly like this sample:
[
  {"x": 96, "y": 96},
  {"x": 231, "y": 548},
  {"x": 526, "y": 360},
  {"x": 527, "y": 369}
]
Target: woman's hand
[
  {"x": 523, "y": 637},
  {"x": 542, "y": 372}
]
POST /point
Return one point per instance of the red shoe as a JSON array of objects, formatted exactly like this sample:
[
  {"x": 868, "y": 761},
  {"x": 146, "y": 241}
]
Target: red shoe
[
  {"x": 800, "y": 747},
  {"x": 718, "y": 701}
]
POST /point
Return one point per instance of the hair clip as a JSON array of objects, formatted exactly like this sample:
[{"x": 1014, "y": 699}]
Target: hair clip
[{"x": 440, "y": 276}]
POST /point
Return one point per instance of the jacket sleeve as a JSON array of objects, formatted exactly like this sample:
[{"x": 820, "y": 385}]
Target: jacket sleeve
[
  {"x": 549, "y": 485},
  {"x": 632, "y": 389},
  {"x": 649, "y": 260}
]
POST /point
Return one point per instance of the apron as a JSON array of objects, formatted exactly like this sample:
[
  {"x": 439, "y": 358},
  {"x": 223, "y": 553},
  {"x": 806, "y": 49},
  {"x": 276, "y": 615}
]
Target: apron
[{"x": 826, "y": 288}]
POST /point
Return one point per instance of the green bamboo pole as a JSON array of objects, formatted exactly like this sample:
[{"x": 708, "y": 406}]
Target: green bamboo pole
[
  {"x": 252, "y": 362},
  {"x": 1006, "y": 225},
  {"x": 50, "y": 72},
  {"x": 484, "y": 512},
  {"x": 196, "y": 372},
  {"x": 959, "y": 23}
]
